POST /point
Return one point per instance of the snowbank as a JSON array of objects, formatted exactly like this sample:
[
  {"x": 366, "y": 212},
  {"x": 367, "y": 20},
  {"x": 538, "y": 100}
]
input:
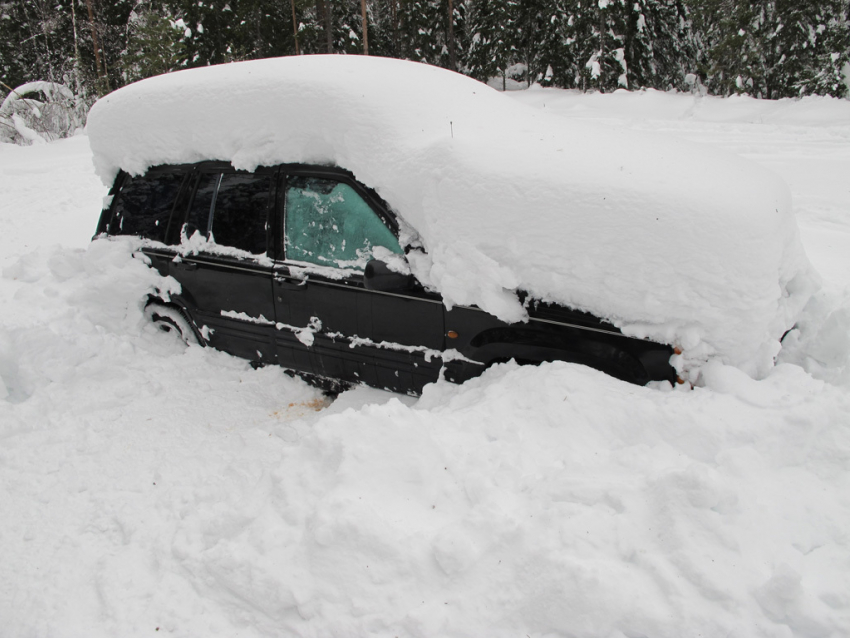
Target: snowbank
[
  {"x": 651, "y": 104},
  {"x": 149, "y": 487},
  {"x": 667, "y": 239}
]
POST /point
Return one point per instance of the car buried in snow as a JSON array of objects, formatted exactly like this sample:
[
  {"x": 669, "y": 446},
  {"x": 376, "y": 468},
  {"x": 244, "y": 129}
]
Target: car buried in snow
[
  {"x": 363, "y": 220},
  {"x": 301, "y": 266}
]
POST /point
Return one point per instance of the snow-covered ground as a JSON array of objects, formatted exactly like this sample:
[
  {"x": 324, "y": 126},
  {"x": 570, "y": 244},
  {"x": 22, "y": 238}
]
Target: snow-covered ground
[{"x": 147, "y": 487}]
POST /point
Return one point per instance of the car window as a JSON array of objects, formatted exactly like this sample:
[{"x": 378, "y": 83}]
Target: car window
[
  {"x": 240, "y": 211},
  {"x": 202, "y": 202},
  {"x": 329, "y": 224},
  {"x": 231, "y": 209},
  {"x": 144, "y": 204}
]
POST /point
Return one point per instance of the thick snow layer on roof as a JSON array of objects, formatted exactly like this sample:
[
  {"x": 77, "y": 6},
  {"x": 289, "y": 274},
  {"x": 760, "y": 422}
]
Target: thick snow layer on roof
[{"x": 668, "y": 239}]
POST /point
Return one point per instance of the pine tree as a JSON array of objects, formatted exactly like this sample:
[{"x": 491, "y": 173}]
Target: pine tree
[
  {"x": 557, "y": 34},
  {"x": 383, "y": 17},
  {"x": 34, "y": 43},
  {"x": 600, "y": 43},
  {"x": 218, "y": 31},
  {"x": 494, "y": 38},
  {"x": 658, "y": 45},
  {"x": 423, "y": 31},
  {"x": 348, "y": 26},
  {"x": 813, "y": 46},
  {"x": 774, "y": 48},
  {"x": 154, "y": 46}
]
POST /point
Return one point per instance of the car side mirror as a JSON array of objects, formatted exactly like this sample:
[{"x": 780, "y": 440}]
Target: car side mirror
[{"x": 378, "y": 276}]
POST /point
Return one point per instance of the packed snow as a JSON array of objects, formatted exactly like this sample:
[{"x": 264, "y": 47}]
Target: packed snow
[
  {"x": 669, "y": 240},
  {"x": 148, "y": 488}
]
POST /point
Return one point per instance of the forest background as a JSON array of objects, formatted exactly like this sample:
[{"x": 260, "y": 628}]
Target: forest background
[{"x": 78, "y": 50}]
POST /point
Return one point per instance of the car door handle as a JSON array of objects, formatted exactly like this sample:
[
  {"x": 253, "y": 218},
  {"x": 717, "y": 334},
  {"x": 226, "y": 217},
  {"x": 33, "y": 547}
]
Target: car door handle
[
  {"x": 291, "y": 284},
  {"x": 186, "y": 265}
]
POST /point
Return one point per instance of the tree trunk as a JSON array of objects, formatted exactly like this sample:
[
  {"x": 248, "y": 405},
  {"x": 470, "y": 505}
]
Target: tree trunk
[
  {"x": 365, "y": 27},
  {"x": 78, "y": 90},
  {"x": 323, "y": 9},
  {"x": 601, "y": 78},
  {"x": 102, "y": 80},
  {"x": 451, "y": 38},
  {"x": 394, "y": 15},
  {"x": 294, "y": 27}
]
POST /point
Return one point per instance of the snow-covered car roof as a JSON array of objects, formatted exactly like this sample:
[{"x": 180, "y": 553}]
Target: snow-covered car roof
[{"x": 667, "y": 239}]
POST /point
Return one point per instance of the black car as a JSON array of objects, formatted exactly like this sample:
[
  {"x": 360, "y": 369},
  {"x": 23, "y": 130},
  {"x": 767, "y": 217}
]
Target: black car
[{"x": 279, "y": 266}]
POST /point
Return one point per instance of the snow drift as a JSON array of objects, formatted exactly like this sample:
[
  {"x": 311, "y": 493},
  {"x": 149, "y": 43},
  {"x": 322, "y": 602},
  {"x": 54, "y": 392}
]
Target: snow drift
[{"x": 667, "y": 239}]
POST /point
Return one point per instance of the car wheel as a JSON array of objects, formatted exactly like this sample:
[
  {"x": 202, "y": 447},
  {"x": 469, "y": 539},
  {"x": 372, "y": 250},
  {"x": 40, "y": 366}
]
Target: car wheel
[{"x": 174, "y": 321}]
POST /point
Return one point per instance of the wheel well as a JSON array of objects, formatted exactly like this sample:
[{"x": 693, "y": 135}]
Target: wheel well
[{"x": 171, "y": 313}]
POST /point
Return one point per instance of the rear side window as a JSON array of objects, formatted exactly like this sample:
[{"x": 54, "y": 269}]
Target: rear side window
[
  {"x": 143, "y": 206},
  {"x": 241, "y": 208},
  {"x": 202, "y": 204},
  {"x": 231, "y": 209}
]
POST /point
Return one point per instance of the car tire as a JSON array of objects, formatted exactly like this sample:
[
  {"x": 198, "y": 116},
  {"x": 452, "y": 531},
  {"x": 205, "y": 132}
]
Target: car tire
[{"x": 173, "y": 320}]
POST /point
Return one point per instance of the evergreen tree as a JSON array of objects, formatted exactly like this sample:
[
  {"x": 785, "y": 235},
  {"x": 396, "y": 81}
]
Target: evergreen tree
[
  {"x": 108, "y": 22},
  {"x": 154, "y": 46},
  {"x": 557, "y": 54},
  {"x": 600, "y": 43},
  {"x": 424, "y": 29},
  {"x": 218, "y": 31},
  {"x": 494, "y": 38},
  {"x": 310, "y": 27},
  {"x": 658, "y": 44},
  {"x": 348, "y": 26},
  {"x": 767, "y": 48},
  {"x": 531, "y": 24},
  {"x": 384, "y": 36},
  {"x": 813, "y": 46},
  {"x": 262, "y": 29},
  {"x": 34, "y": 43},
  {"x": 210, "y": 31},
  {"x": 774, "y": 48}
]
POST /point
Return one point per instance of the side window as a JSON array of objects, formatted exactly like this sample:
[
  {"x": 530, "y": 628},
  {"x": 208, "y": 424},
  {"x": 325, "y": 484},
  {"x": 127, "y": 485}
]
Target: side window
[
  {"x": 144, "y": 204},
  {"x": 329, "y": 224},
  {"x": 202, "y": 203},
  {"x": 231, "y": 209},
  {"x": 240, "y": 211}
]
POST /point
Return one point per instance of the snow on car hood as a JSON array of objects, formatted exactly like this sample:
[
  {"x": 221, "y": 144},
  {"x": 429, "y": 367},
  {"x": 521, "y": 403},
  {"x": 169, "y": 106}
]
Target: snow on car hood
[{"x": 667, "y": 239}]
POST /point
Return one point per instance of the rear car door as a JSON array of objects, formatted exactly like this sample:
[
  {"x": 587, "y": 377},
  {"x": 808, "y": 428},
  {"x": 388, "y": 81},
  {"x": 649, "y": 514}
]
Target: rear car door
[
  {"x": 329, "y": 323},
  {"x": 222, "y": 262}
]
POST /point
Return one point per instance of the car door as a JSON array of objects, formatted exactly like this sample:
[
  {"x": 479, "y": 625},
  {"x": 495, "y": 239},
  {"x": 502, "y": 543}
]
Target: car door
[
  {"x": 331, "y": 324},
  {"x": 222, "y": 263}
]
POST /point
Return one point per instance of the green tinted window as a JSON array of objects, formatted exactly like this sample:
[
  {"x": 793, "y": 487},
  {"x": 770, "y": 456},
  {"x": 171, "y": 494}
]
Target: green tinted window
[{"x": 329, "y": 224}]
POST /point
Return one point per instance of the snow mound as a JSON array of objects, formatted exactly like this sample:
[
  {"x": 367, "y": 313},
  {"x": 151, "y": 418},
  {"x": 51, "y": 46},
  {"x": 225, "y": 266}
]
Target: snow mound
[
  {"x": 669, "y": 240},
  {"x": 651, "y": 104}
]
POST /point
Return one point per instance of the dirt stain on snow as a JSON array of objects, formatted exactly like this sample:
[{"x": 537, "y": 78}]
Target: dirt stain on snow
[{"x": 302, "y": 408}]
